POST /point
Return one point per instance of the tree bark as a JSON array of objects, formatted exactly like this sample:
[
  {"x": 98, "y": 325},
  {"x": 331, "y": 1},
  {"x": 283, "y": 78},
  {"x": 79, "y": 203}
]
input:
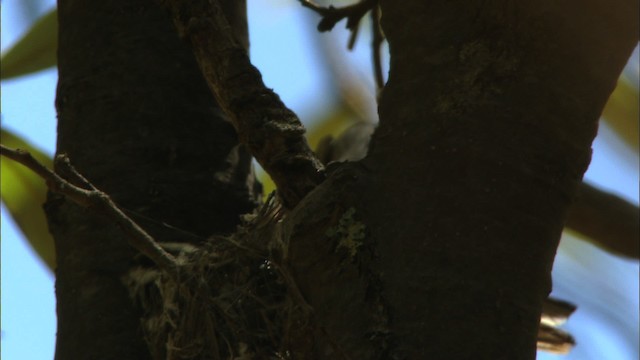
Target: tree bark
[
  {"x": 485, "y": 131},
  {"x": 137, "y": 119},
  {"x": 486, "y": 126},
  {"x": 437, "y": 245}
]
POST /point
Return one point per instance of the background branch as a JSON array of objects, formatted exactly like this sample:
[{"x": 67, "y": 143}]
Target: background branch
[
  {"x": 608, "y": 221},
  {"x": 354, "y": 13},
  {"x": 378, "y": 38},
  {"x": 331, "y": 15}
]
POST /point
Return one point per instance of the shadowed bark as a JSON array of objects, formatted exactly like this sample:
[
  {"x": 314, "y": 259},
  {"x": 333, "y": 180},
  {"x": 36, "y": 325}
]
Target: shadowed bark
[
  {"x": 137, "y": 119},
  {"x": 437, "y": 245},
  {"x": 505, "y": 98},
  {"x": 485, "y": 131}
]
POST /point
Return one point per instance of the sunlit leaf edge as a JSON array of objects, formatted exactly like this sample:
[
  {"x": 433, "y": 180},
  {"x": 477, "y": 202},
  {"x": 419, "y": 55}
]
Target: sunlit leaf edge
[
  {"x": 35, "y": 51},
  {"x": 23, "y": 194}
]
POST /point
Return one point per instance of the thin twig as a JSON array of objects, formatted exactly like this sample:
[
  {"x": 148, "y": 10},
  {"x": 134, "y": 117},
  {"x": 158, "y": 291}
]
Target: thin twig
[
  {"x": 378, "y": 38},
  {"x": 353, "y": 38},
  {"x": 332, "y": 15},
  {"x": 63, "y": 164},
  {"x": 98, "y": 201},
  {"x": 353, "y": 14}
]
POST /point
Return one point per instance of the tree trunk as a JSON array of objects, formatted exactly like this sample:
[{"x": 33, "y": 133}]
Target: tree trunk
[
  {"x": 438, "y": 245},
  {"x": 500, "y": 102},
  {"x": 485, "y": 131},
  {"x": 137, "y": 119}
]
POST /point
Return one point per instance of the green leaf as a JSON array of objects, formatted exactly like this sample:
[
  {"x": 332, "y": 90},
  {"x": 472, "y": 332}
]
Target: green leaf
[
  {"x": 23, "y": 193},
  {"x": 621, "y": 113},
  {"x": 331, "y": 124},
  {"x": 35, "y": 51}
]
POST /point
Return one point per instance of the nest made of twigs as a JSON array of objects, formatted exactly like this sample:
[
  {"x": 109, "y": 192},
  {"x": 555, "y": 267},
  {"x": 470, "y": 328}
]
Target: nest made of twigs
[{"x": 233, "y": 298}]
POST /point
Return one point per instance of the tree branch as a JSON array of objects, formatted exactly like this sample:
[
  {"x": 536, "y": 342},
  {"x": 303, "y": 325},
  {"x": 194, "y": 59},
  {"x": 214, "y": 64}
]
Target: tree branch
[
  {"x": 331, "y": 15},
  {"x": 378, "y": 38},
  {"x": 354, "y": 13},
  {"x": 607, "y": 220},
  {"x": 272, "y": 132},
  {"x": 96, "y": 200}
]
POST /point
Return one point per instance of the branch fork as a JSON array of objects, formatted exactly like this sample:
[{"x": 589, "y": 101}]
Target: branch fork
[{"x": 273, "y": 133}]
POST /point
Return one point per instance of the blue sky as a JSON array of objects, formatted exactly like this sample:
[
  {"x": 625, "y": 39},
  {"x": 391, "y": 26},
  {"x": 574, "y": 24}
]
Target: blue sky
[{"x": 604, "y": 287}]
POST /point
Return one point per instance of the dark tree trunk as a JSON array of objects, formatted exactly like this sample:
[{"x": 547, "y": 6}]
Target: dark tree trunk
[
  {"x": 474, "y": 178},
  {"x": 437, "y": 245},
  {"x": 485, "y": 131},
  {"x": 137, "y": 119}
]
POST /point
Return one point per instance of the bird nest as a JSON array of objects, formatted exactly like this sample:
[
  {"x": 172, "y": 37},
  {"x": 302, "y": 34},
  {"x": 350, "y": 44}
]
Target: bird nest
[{"x": 232, "y": 299}]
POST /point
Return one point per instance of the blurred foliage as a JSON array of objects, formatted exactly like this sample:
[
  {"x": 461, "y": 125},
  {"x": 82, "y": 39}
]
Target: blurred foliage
[
  {"x": 331, "y": 124},
  {"x": 23, "y": 193},
  {"x": 621, "y": 112},
  {"x": 35, "y": 51}
]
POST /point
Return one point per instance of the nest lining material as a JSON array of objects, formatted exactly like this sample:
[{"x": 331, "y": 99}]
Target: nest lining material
[{"x": 232, "y": 301}]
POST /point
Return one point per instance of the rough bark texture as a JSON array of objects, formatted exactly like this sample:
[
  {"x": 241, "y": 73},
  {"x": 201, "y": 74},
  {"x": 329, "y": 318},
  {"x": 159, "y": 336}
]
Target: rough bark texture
[
  {"x": 272, "y": 132},
  {"x": 485, "y": 131},
  {"x": 486, "y": 126},
  {"x": 438, "y": 245},
  {"x": 137, "y": 119}
]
